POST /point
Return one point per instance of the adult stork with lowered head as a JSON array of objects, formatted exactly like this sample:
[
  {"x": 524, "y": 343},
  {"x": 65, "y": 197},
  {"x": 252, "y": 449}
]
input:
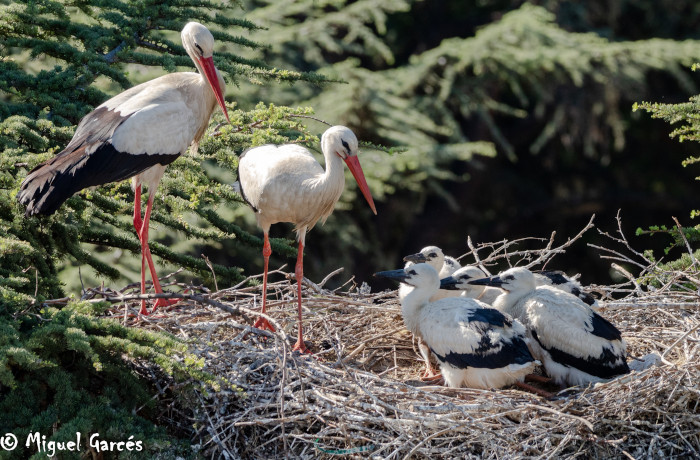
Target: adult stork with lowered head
[
  {"x": 284, "y": 183},
  {"x": 137, "y": 133}
]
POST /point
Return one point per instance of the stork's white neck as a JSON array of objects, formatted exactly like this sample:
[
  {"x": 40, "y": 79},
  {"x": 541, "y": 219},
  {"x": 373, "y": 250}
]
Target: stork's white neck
[
  {"x": 509, "y": 302},
  {"x": 330, "y": 184},
  {"x": 415, "y": 299},
  {"x": 334, "y": 163}
]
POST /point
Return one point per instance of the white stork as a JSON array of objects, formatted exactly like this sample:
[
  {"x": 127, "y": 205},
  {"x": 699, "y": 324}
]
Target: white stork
[
  {"x": 444, "y": 265},
  {"x": 459, "y": 281},
  {"x": 575, "y": 344},
  {"x": 476, "y": 346},
  {"x": 560, "y": 280},
  {"x": 284, "y": 183},
  {"x": 137, "y": 133}
]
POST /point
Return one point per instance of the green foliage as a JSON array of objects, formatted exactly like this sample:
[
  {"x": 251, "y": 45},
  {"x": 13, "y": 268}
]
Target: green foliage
[
  {"x": 686, "y": 118},
  {"x": 77, "y": 51},
  {"x": 690, "y": 234},
  {"x": 65, "y": 370},
  {"x": 523, "y": 86}
]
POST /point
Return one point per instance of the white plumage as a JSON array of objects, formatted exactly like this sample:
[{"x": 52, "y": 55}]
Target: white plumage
[
  {"x": 286, "y": 184},
  {"x": 459, "y": 282},
  {"x": 476, "y": 346},
  {"x": 137, "y": 133},
  {"x": 444, "y": 265},
  {"x": 560, "y": 280},
  {"x": 575, "y": 344}
]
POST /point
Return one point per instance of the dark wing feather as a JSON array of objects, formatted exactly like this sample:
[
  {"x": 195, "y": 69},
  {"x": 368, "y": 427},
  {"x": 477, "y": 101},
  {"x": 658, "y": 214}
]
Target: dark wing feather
[
  {"x": 606, "y": 366},
  {"x": 490, "y": 356},
  {"x": 603, "y": 328},
  {"x": 88, "y": 160}
]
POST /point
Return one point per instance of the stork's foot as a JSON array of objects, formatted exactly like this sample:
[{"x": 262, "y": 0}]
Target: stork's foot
[
  {"x": 144, "y": 310},
  {"x": 163, "y": 303},
  {"x": 431, "y": 376},
  {"x": 263, "y": 324},
  {"x": 535, "y": 390},
  {"x": 300, "y": 346},
  {"x": 537, "y": 378}
]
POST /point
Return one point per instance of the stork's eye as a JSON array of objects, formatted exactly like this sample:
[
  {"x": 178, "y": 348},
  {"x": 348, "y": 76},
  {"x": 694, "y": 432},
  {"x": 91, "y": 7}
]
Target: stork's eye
[
  {"x": 509, "y": 278},
  {"x": 345, "y": 146},
  {"x": 199, "y": 48},
  {"x": 432, "y": 254},
  {"x": 412, "y": 272},
  {"x": 465, "y": 277}
]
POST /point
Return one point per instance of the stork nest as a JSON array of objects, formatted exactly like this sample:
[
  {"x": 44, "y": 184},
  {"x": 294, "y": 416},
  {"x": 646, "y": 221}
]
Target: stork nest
[{"x": 359, "y": 395}]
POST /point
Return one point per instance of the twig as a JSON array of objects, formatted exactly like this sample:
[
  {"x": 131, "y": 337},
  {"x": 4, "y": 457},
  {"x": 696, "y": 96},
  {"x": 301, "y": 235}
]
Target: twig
[
  {"x": 213, "y": 273},
  {"x": 685, "y": 240}
]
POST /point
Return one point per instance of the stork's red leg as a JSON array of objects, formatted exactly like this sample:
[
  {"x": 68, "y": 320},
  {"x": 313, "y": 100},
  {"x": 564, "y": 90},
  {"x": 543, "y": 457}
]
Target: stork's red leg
[
  {"x": 262, "y": 323},
  {"x": 430, "y": 375},
  {"x": 299, "y": 272},
  {"x": 138, "y": 225},
  {"x": 146, "y": 252},
  {"x": 535, "y": 390}
]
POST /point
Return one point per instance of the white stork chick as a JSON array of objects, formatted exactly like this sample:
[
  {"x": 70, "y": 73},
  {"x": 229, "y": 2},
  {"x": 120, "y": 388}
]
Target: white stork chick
[
  {"x": 285, "y": 183},
  {"x": 137, "y": 133},
  {"x": 476, "y": 346},
  {"x": 459, "y": 281},
  {"x": 560, "y": 280},
  {"x": 444, "y": 265},
  {"x": 575, "y": 344}
]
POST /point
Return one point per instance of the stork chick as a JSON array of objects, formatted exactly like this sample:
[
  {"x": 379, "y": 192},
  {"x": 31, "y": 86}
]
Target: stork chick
[
  {"x": 444, "y": 265},
  {"x": 576, "y": 345},
  {"x": 476, "y": 346},
  {"x": 561, "y": 280},
  {"x": 459, "y": 281}
]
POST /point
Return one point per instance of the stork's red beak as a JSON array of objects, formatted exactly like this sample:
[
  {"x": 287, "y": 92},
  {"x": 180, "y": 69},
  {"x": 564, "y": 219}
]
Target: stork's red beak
[
  {"x": 210, "y": 72},
  {"x": 354, "y": 166}
]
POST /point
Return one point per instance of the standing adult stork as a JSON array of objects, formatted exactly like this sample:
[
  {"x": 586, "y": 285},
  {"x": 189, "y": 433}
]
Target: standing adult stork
[
  {"x": 284, "y": 183},
  {"x": 137, "y": 133}
]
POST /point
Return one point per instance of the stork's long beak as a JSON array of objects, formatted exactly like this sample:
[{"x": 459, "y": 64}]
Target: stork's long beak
[
  {"x": 417, "y": 258},
  {"x": 398, "y": 275},
  {"x": 354, "y": 166},
  {"x": 494, "y": 281},
  {"x": 450, "y": 283},
  {"x": 555, "y": 276},
  {"x": 210, "y": 72}
]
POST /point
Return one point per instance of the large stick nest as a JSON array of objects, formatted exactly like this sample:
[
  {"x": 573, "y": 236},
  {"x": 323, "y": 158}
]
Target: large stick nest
[{"x": 359, "y": 395}]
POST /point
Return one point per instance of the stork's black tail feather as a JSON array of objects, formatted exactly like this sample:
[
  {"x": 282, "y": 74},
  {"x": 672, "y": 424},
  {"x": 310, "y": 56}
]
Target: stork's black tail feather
[{"x": 50, "y": 184}]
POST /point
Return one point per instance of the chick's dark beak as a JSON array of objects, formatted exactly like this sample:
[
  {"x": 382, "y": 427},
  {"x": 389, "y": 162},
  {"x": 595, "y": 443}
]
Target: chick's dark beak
[
  {"x": 416, "y": 258},
  {"x": 494, "y": 281},
  {"x": 397, "y": 275},
  {"x": 449, "y": 283}
]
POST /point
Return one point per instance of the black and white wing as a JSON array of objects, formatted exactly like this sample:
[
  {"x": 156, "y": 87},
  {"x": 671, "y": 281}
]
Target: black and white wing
[
  {"x": 575, "y": 335},
  {"x": 466, "y": 333}
]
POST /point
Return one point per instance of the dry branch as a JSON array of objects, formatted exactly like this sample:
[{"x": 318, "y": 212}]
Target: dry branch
[{"x": 359, "y": 397}]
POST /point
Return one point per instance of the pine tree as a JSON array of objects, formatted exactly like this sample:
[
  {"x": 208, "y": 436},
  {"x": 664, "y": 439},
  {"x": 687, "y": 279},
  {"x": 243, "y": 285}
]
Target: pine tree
[
  {"x": 82, "y": 48},
  {"x": 523, "y": 86},
  {"x": 685, "y": 117},
  {"x": 67, "y": 370}
]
